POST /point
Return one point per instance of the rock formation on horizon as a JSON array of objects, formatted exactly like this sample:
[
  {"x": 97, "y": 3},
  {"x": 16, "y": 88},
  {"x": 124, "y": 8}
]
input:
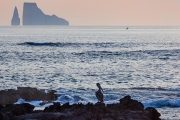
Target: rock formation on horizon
[
  {"x": 15, "y": 19},
  {"x": 32, "y": 15}
]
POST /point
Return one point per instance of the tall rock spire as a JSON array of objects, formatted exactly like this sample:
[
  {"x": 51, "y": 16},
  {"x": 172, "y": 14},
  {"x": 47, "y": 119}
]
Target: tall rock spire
[{"x": 15, "y": 19}]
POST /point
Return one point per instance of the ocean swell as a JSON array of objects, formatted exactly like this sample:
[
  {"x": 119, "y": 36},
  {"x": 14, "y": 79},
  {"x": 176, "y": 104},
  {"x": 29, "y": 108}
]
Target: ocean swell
[
  {"x": 163, "y": 103},
  {"x": 65, "y": 44},
  {"x": 57, "y": 44}
]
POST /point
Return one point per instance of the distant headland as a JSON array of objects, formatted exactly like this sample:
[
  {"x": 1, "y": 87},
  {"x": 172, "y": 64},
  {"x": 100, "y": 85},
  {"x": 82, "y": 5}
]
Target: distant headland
[{"x": 32, "y": 15}]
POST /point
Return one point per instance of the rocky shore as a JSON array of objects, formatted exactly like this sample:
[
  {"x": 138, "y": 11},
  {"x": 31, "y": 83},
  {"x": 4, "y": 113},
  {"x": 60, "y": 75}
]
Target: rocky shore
[
  {"x": 11, "y": 96},
  {"x": 126, "y": 109}
]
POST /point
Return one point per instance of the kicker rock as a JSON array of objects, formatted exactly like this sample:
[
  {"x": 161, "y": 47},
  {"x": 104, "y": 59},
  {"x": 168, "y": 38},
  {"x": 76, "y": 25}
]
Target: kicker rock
[
  {"x": 15, "y": 19},
  {"x": 32, "y": 15}
]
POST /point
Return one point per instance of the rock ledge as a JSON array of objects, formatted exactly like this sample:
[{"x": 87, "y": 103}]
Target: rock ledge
[{"x": 127, "y": 109}]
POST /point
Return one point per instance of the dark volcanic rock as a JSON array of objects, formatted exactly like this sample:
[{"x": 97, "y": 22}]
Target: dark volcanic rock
[
  {"x": 32, "y": 15},
  {"x": 11, "y": 96},
  {"x": 128, "y": 103},
  {"x": 127, "y": 109},
  {"x": 1, "y": 116},
  {"x": 15, "y": 19},
  {"x": 40, "y": 116},
  {"x": 7, "y": 116},
  {"x": 152, "y": 113},
  {"x": 1, "y": 107},
  {"x": 10, "y": 111},
  {"x": 56, "y": 107},
  {"x": 18, "y": 109}
]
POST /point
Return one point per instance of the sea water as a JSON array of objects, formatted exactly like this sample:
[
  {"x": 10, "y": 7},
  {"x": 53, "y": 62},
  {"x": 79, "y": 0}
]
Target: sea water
[{"x": 143, "y": 62}]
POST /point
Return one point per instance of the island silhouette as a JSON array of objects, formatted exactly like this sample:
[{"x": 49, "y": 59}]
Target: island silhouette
[{"x": 32, "y": 15}]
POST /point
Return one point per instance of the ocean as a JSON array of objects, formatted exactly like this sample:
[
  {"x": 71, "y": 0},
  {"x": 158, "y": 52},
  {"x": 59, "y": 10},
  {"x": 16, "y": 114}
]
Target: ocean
[{"x": 143, "y": 62}]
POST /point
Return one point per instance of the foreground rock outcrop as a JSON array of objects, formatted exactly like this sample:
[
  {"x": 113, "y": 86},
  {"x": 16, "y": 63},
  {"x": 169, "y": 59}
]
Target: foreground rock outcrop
[
  {"x": 127, "y": 109},
  {"x": 32, "y": 15},
  {"x": 15, "y": 19},
  {"x": 11, "y": 96}
]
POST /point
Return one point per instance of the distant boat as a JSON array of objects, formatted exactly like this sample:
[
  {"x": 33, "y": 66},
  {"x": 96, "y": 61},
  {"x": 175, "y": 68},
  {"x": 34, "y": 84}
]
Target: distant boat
[{"x": 127, "y": 28}]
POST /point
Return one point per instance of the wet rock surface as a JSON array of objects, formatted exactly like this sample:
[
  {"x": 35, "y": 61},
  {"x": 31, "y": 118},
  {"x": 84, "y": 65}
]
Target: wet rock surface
[
  {"x": 11, "y": 96},
  {"x": 127, "y": 109},
  {"x": 152, "y": 113}
]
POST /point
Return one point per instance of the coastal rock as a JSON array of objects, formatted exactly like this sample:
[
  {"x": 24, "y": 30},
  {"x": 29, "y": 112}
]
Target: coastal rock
[
  {"x": 11, "y": 96},
  {"x": 18, "y": 109},
  {"x": 1, "y": 107},
  {"x": 56, "y": 107},
  {"x": 15, "y": 19},
  {"x": 7, "y": 116},
  {"x": 136, "y": 115},
  {"x": 152, "y": 113},
  {"x": 40, "y": 116},
  {"x": 10, "y": 111},
  {"x": 32, "y": 15},
  {"x": 127, "y": 109},
  {"x": 128, "y": 103}
]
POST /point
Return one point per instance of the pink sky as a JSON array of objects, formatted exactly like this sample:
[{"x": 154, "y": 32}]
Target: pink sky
[{"x": 102, "y": 12}]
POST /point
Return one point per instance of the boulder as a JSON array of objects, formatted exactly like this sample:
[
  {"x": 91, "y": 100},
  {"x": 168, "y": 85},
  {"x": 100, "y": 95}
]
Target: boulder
[
  {"x": 1, "y": 107},
  {"x": 11, "y": 96},
  {"x": 56, "y": 107},
  {"x": 18, "y": 109},
  {"x": 152, "y": 113},
  {"x": 127, "y": 109},
  {"x": 128, "y": 103},
  {"x": 40, "y": 116}
]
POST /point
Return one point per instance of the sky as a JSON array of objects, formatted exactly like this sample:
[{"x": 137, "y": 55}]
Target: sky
[{"x": 102, "y": 12}]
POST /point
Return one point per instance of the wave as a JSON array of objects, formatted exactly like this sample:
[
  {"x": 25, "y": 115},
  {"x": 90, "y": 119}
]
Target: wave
[
  {"x": 161, "y": 54},
  {"x": 61, "y": 44},
  {"x": 58, "y": 44},
  {"x": 163, "y": 103},
  {"x": 71, "y": 97},
  {"x": 39, "y": 105},
  {"x": 150, "y": 88},
  {"x": 76, "y": 99},
  {"x": 135, "y": 55}
]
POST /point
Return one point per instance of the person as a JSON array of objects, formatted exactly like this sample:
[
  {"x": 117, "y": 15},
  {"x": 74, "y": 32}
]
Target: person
[{"x": 99, "y": 93}]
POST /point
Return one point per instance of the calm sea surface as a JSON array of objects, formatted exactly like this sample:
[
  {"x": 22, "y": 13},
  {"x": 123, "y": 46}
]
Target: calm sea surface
[{"x": 143, "y": 62}]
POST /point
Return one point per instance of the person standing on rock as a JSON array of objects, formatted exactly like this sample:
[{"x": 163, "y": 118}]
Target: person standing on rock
[{"x": 99, "y": 93}]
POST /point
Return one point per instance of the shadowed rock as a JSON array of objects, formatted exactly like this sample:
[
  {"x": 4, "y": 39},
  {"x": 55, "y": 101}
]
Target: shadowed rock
[
  {"x": 19, "y": 109},
  {"x": 152, "y": 113},
  {"x": 128, "y": 103},
  {"x": 127, "y": 109},
  {"x": 56, "y": 107},
  {"x": 1, "y": 107},
  {"x": 11, "y": 96},
  {"x": 40, "y": 116}
]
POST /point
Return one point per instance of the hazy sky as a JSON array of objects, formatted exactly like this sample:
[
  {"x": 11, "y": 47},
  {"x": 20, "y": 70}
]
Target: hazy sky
[{"x": 102, "y": 12}]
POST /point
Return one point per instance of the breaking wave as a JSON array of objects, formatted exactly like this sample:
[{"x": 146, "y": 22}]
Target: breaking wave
[{"x": 163, "y": 103}]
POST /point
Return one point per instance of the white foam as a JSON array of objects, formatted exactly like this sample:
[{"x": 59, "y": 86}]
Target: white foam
[{"x": 35, "y": 103}]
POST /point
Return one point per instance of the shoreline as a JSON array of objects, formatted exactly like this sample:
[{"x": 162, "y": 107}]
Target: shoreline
[{"x": 126, "y": 109}]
